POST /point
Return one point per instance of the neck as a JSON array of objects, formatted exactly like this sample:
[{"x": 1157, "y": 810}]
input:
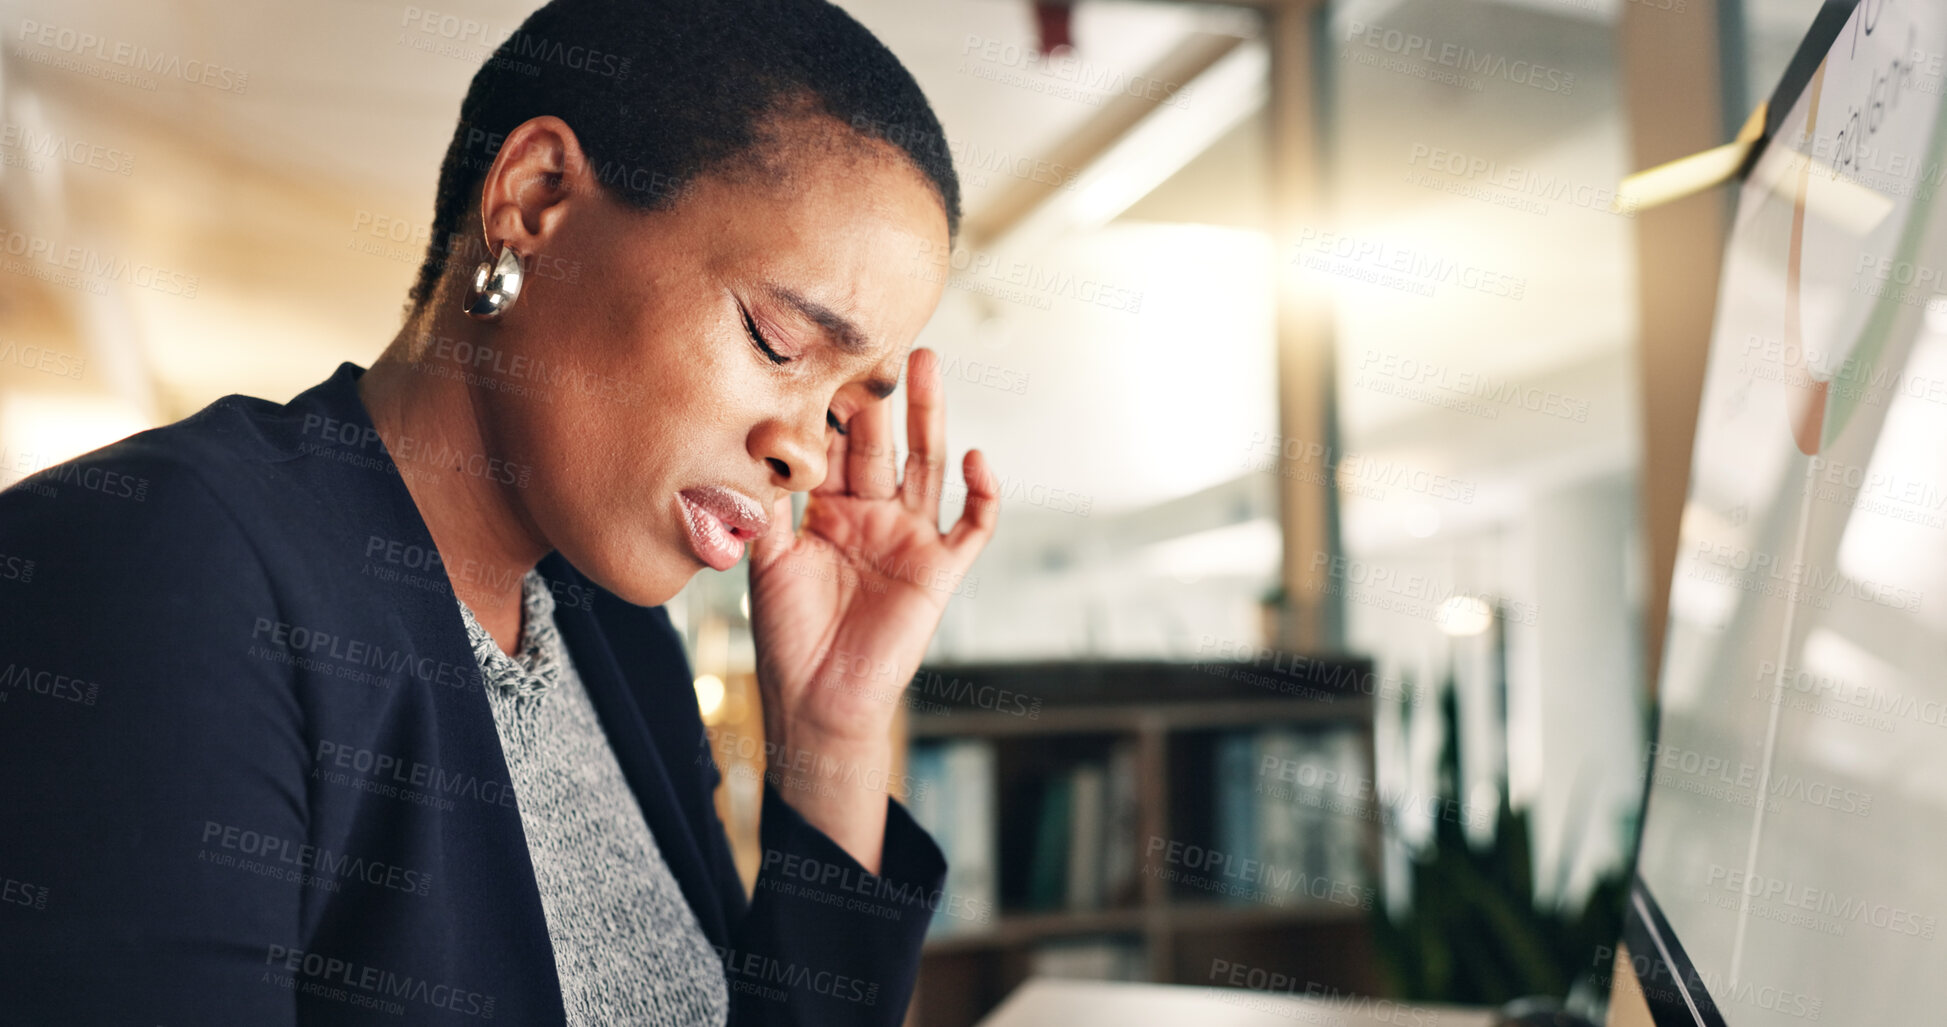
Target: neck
[{"x": 485, "y": 539}]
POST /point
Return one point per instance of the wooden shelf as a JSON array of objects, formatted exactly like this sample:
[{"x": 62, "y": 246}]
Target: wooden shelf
[
  {"x": 1135, "y": 717},
  {"x": 1173, "y": 715},
  {"x": 1210, "y": 916},
  {"x": 1013, "y": 929}
]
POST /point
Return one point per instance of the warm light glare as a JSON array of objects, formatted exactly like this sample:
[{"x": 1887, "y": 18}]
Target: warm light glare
[
  {"x": 709, "y": 694},
  {"x": 42, "y": 430},
  {"x": 1422, "y": 521},
  {"x": 1461, "y": 616}
]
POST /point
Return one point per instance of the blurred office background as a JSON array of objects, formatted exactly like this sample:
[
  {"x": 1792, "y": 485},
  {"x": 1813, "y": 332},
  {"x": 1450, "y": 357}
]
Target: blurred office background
[{"x": 1298, "y": 331}]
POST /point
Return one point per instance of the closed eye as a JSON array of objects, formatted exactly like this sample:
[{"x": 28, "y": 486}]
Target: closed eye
[{"x": 757, "y": 339}]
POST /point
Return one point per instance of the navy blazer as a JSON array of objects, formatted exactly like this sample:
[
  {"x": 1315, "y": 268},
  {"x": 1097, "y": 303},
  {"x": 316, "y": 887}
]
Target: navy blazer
[{"x": 249, "y": 774}]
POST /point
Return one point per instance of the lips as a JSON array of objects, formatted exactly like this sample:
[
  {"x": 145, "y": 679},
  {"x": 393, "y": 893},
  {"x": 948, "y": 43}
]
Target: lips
[{"x": 720, "y": 521}]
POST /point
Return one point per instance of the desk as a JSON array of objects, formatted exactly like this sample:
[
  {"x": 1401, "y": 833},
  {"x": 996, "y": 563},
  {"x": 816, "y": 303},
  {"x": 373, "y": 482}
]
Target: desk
[{"x": 1045, "y": 1002}]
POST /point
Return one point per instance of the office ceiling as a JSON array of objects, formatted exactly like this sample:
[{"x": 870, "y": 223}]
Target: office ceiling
[
  {"x": 295, "y": 206},
  {"x": 297, "y": 202}
]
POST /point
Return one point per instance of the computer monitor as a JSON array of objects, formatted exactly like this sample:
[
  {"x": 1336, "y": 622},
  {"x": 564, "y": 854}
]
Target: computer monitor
[{"x": 1792, "y": 865}]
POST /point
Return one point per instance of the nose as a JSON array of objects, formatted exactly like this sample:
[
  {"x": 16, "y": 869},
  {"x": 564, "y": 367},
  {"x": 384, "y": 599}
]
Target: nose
[{"x": 794, "y": 449}]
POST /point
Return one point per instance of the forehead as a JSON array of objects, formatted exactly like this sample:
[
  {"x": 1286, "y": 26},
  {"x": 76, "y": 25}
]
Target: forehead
[{"x": 844, "y": 235}]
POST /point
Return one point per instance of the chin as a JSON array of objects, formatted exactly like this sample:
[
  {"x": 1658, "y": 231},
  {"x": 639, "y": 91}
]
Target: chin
[{"x": 645, "y": 578}]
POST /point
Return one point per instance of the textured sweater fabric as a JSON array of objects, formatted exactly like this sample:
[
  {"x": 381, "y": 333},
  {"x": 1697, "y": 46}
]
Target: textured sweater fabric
[{"x": 627, "y": 947}]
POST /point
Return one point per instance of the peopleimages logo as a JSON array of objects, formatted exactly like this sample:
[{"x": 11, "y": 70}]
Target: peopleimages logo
[
  {"x": 59, "y": 146},
  {"x": 1387, "y": 264},
  {"x": 1402, "y": 591},
  {"x": 1785, "y": 900},
  {"x": 1460, "y": 58},
  {"x": 754, "y": 970},
  {"x": 970, "y": 694},
  {"x": 397, "y": 777},
  {"x": 1247, "y": 877},
  {"x": 351, "y": 443},
  {"x": 837, "y": 878},
  {"x": 434, "y": 26},
  {"x": 299, "y": 857},
  {"x": 1771, "y": 360},
  {"x": 1352, "y": 472},
  {"x": 1718, "y": 777},
  {"x": 123, "y": 54},
  {"x": 42, "y": 359},
  {"x": 1085, "y": 80},
  {"x": 1779, "y": 684},
  {"x": 1360, "y": 797},
  {"x": 1768, "y": 573},
  {"x": 20, "y": 677},
  {"x": 16, "y": 568},
  {"x": 1286, "y": 671},
  {"x": 1461, "y": 382},
  {"x": 1017, "y": 280},
  {"x": 90, "y": 263},
  {"x": 22, "y": 893},
  {"x": 1653, "y": 976},
  {"x": 1319, "y": 998},
  {"x": 324, "y": 975},
  {"x": 312, "y": 646},
  {"x": 1524, "y": 183}
]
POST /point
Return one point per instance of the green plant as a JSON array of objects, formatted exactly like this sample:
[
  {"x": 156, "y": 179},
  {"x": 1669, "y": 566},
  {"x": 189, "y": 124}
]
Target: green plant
[{"x": 1474, "y": 933}]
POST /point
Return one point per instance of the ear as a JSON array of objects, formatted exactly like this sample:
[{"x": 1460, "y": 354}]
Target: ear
[{"x": 540, "y": 168}]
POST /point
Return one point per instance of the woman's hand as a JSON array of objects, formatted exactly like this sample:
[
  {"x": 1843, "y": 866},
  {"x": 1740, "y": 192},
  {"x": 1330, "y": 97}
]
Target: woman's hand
[{"x": 842, "y": 611}]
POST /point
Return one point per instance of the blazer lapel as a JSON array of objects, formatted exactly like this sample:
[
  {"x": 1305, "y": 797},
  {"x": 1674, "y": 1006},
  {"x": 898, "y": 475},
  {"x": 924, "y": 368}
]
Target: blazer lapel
[{"x": 459, "y": 733}]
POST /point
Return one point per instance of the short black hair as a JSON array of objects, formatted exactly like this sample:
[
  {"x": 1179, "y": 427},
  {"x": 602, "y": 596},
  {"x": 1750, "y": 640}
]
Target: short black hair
[{"x": 661, "y": 92}]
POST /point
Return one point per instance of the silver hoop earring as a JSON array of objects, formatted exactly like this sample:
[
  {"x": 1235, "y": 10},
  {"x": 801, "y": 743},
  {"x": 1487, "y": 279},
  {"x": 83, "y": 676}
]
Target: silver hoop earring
[{"x": 496, "y": 285}]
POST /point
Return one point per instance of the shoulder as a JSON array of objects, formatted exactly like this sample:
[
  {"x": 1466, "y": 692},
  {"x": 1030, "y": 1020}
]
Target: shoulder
[
  {"x": 132, "y": 631},
  {"x": 226, "y": 492},
  {"x": 130, "y": 559},
  {"x": 155, "y": 500}
]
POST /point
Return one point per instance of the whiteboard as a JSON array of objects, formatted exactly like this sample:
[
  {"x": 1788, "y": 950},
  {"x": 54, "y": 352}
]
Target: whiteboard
[{"x": 1797, "y": 806}]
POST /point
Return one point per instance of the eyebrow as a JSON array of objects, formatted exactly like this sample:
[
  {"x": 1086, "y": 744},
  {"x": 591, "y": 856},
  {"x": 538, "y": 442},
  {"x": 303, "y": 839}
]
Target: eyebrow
[{"x": 845, "y": 334}]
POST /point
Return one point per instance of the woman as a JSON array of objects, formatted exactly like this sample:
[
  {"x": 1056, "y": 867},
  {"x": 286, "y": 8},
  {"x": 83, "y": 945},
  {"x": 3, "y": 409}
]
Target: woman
[{"x": 363, "y": 708}]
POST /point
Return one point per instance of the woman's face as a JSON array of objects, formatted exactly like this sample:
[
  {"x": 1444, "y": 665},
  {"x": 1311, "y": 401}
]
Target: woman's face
[{"x": 656, "y": 408}]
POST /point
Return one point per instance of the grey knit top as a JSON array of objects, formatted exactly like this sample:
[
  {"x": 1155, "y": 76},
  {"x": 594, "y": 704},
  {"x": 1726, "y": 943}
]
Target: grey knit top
[{"x": 627, "y": 948}]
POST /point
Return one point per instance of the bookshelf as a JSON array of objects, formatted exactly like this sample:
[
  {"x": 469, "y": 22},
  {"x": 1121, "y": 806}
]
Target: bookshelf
[{"x": 1161, "y": 725}]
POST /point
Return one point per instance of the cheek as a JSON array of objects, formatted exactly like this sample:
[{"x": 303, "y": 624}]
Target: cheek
[
  {"x": 602, "y": 432},
  {"x": 591, "y": 453}
]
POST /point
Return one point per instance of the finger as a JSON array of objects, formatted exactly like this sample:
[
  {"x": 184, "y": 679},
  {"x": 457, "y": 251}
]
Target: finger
[
  {"x": 925, "y": 436},
  {"x": 982, "y": 511},
  {"x": 869, "y": 453},
  {"x": 773, "y": 543},
  {"x": 835, "y": 461}
]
